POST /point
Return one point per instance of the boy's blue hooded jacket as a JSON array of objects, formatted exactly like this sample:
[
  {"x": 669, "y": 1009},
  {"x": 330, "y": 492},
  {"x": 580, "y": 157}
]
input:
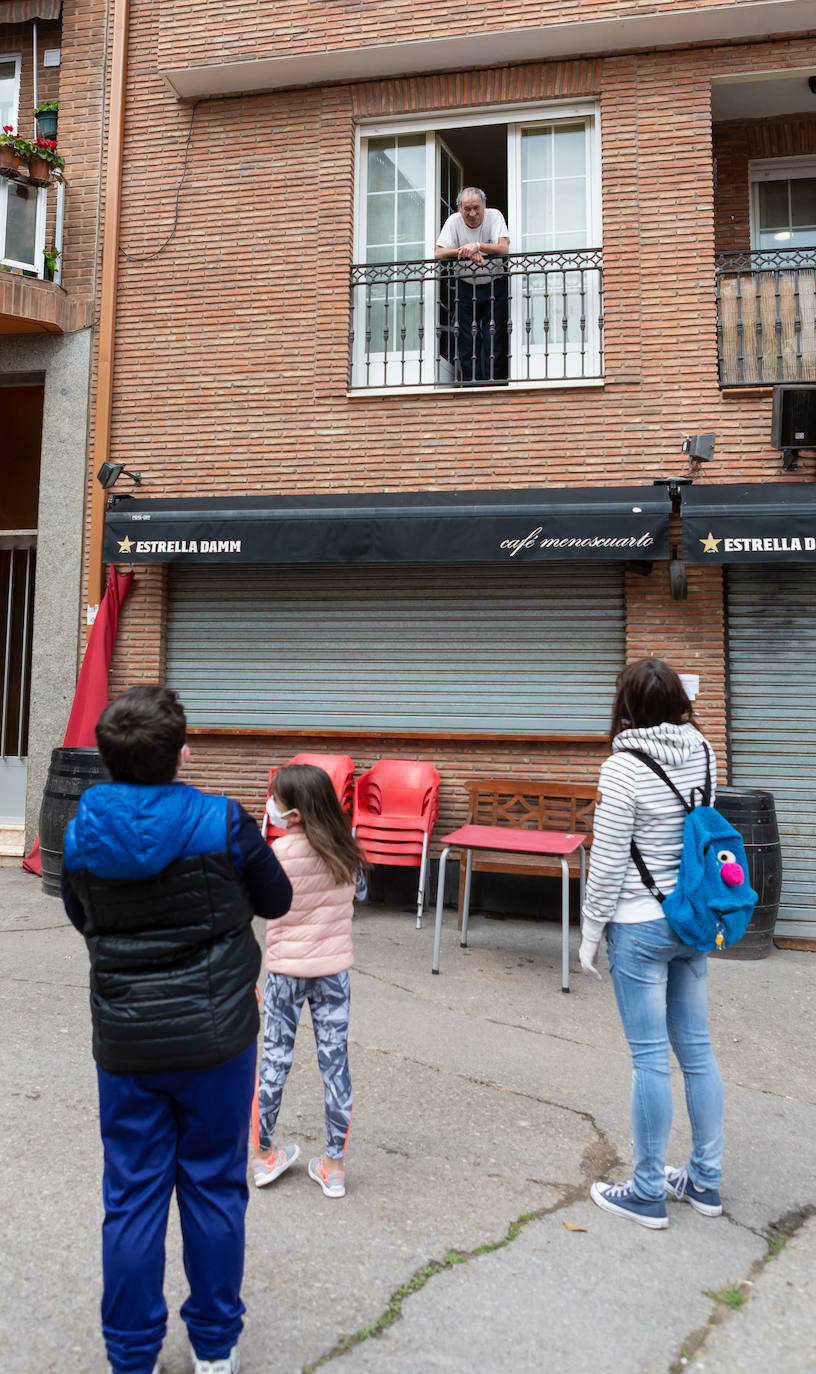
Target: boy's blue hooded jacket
[{"x": 163, "y": 882}]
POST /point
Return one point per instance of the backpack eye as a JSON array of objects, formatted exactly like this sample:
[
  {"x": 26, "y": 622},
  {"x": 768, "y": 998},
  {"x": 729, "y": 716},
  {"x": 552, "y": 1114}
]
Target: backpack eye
[{"x": 724, "y": 856}]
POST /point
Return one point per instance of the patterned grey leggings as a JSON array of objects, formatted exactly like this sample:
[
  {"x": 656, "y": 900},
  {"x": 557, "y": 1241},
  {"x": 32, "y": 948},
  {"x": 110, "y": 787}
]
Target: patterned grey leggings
[{"x": 329, "y": 1000}]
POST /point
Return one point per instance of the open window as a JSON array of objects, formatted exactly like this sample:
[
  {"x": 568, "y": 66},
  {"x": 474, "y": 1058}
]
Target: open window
[{"x": 542, "y": 174}]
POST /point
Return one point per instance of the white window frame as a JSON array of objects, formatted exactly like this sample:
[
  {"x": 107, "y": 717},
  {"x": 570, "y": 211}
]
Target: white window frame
[
  {"x": 516, "y": 117},
  {"x": 7, "y": 188},
  {"x": 774, "y": 169},
  {"x": 17, "y": 59}
]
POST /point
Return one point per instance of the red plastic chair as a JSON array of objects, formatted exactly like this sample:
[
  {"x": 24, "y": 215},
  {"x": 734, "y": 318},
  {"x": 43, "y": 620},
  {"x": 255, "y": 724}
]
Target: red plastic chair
[
  {"x": 396, "y": 803},
  {"x": 340, "y": 769}
]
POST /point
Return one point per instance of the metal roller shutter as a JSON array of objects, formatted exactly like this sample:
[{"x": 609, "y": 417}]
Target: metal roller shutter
[
  {"x": 772, "y": 721},
  {"x": 409, "y": 647}
]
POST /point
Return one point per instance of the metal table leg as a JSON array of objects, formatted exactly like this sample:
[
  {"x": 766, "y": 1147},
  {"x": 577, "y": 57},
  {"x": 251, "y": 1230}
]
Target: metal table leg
[
  {"x": 565, "y": 987},
  {"x": 440, "y": 894},
  {"x": 466, "y": 903}
]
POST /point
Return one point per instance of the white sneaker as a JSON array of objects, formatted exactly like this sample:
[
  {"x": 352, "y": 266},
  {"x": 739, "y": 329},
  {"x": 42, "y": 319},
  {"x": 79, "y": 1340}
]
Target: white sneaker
[{"x": 230, "y": 1365}]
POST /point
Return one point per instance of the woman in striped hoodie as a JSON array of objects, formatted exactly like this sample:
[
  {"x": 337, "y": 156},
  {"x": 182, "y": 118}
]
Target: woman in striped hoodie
[{"x": 660, "y": 983}]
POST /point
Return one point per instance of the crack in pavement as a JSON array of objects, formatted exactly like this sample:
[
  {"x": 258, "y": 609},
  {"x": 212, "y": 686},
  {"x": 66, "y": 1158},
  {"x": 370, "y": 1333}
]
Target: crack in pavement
[
  {"x": 392, "y": 1311},
  {"x": 775, "y": 1235},
  {"x": 484, "y": 1083}
]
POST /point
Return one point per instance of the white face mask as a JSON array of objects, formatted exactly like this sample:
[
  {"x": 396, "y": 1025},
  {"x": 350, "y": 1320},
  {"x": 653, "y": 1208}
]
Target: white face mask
[{"x": 276, "y": 817}]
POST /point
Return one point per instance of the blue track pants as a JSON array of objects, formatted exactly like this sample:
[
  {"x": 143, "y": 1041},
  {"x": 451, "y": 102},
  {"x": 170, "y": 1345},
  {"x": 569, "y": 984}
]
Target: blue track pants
[{"x": 185, "y": 1130}]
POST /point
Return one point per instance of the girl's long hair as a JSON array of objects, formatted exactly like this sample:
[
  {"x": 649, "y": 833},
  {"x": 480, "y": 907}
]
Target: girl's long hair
[
  {"x": 649, "y": 693},
  {"x": 326, "y": 825}
]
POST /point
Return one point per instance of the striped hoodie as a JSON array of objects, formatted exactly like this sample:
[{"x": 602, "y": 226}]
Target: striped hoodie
[{"x": 633, "y": 803}]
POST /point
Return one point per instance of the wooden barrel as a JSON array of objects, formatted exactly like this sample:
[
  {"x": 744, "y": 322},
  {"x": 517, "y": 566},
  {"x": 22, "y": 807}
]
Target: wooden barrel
[
  {"x": 753, "y": 814},
  {"x": 71, "y": 771}
]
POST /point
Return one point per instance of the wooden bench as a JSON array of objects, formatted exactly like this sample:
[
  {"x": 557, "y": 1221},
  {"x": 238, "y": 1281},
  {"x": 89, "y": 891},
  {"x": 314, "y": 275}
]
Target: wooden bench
[{"x": 526, "y": 805}]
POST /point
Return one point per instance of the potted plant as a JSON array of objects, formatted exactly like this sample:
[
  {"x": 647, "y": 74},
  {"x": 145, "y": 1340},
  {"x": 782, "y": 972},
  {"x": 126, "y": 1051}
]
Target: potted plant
[
  {"x": 43, "y": 157},
  {"x": 51, "y": 257},
  {"x": 46, "y": 116},
  {"x": 15, "y": 150}
]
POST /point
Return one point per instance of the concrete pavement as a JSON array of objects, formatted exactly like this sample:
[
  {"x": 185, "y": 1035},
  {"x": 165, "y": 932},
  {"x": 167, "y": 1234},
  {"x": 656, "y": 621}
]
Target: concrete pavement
[{"x": 486, "y": 1101}]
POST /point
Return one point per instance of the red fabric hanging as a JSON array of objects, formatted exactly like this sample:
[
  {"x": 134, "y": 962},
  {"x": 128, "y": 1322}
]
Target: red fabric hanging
[{"x": 91, "y": 695}]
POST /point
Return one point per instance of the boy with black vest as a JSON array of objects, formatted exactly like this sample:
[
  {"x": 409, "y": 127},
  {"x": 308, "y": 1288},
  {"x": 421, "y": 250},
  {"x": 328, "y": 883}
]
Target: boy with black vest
[{"x": 163, "y": 882}]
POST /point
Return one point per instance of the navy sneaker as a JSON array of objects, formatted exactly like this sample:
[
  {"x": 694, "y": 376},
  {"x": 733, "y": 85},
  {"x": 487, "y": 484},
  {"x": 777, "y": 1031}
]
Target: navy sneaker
[
  {"x": 682, "y": 1189},
  {"x": 622, "y": 1199}
]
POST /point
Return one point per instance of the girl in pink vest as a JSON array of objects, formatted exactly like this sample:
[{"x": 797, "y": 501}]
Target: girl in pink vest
[{"x": 308, "y": 955}]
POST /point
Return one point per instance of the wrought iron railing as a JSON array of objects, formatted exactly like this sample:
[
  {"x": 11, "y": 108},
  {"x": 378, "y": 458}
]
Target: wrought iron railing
[
  {"x": 766, "y": 316},
  {"x": 536, "y": 317}
]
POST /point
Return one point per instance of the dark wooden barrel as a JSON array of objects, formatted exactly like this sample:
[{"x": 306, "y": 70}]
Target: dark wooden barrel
[
  {"x": 753, "y": 814},
  {"x": 71, "y": 771}
]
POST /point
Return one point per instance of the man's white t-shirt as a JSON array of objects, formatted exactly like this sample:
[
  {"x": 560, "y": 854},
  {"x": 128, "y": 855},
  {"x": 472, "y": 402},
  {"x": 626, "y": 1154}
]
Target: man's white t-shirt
[{"x": 455, "y": 234}]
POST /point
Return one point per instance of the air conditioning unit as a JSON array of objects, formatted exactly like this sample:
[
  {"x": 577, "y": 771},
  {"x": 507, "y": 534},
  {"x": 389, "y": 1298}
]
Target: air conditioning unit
[{"x": 793, "y": 419}]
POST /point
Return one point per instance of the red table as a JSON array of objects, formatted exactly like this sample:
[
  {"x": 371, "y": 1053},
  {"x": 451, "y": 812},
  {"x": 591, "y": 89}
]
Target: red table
[{"x": 556, "y": 843}]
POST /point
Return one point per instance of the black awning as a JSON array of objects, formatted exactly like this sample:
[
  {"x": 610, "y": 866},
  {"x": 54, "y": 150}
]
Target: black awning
[
  {"x": 603, "y": 523},
  {"x": 757, "y": 522}
]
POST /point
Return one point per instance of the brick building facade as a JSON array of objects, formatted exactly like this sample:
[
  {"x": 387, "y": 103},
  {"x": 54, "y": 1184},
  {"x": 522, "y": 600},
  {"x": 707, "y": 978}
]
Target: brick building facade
[{"x": 241, "y": 370}]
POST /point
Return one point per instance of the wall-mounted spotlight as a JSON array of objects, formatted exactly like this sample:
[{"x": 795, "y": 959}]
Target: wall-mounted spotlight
[
  {"x": 109, "y": 474},
  {"x": 699, "y": 447}
]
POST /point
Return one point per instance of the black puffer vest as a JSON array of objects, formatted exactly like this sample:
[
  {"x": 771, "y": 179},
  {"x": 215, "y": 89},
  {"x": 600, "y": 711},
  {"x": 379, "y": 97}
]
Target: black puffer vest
[{"x": 174, "y": 964}]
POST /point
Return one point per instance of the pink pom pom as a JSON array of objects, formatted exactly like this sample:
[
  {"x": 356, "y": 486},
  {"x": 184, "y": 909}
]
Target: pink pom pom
[{"x": 732, "y": 874}]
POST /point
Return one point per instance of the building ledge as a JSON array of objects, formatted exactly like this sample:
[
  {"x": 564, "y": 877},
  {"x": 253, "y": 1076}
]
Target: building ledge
[
  {"x": 29, "y": 306},
  {"x": 203, "y": 76}
]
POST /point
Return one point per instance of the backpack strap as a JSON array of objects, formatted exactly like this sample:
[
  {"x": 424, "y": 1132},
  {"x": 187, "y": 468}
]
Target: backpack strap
[
  {"x": 664, "y": 777},
  {"x": 705, "y": 796}
]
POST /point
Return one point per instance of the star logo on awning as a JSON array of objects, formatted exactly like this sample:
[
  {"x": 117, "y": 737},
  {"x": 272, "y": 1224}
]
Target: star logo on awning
[
  {"x": 710, "y": 544},
  {"x": 126, "y": 544}
]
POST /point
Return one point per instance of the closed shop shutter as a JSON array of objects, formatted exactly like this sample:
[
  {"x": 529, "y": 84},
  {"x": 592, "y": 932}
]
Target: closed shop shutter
[
  {"x": 772, "y": 716},
  {"x": 472, "y": 647}
]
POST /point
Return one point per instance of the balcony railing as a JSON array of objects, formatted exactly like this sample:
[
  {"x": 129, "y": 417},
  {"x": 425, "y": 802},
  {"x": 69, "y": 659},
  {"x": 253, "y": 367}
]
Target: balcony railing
[
  {"x": 766, "y": 316},
  {"x": 537, "y": 318}
]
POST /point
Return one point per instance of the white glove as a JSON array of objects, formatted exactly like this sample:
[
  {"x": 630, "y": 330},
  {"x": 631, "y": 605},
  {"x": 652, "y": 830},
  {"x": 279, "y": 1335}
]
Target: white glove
[{"x": 587, "y": 954}]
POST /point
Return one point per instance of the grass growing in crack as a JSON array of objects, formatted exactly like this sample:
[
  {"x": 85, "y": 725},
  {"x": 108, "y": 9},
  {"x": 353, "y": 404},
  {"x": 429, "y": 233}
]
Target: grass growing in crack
[
  {"x": 393, "y": 1308},
  {"x": 775, "y": 1245},
  {"x": 731, "y": 1296}
]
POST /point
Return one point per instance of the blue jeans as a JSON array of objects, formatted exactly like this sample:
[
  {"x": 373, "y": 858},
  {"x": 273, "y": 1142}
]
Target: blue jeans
[
  {"x": 186, "y": 1130},
  {"x": 660, "y": 987}
]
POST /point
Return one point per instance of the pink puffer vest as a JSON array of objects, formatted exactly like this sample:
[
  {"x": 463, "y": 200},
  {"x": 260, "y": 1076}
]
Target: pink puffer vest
[{"x": 314, "y": 937}]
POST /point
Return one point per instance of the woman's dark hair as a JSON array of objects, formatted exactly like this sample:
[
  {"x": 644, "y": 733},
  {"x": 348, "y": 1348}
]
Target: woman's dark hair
[
  {"x": 327, "y": 828},
  {"x": 649, "y": 693},
  {"x": 140, "y": 734}
]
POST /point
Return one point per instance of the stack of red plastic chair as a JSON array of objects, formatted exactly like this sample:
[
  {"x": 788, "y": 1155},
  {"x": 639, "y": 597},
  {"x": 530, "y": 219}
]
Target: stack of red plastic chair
[
  {"x": 395, "y": 808},
  {"x": 340, "y": 769}
]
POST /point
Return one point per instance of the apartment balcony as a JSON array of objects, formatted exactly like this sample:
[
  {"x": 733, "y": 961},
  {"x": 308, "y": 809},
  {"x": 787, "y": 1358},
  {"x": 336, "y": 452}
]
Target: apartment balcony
[
  {"x": 766, "y": 316},
  {"x": 31, "y": 298},
  {"x": 536, "y": 320}
]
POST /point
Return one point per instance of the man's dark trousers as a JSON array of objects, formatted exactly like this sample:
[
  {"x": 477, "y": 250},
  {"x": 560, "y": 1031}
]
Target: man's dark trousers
[
  {"x": 482, "y": 350},
  {"x": 186, "y": 1130}
]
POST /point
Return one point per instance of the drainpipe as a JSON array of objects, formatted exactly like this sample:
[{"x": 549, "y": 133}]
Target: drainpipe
[
  {"x": 34, "y": 61},
  {"x": 107, "y": 305}
]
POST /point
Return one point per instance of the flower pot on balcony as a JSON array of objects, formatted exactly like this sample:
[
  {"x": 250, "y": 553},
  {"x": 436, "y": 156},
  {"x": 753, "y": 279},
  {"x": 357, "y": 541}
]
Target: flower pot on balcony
[
  {"x": 47, "y": 123},
  {"x": 10, "y": 159},
  {"x": 39, "y": 170}
]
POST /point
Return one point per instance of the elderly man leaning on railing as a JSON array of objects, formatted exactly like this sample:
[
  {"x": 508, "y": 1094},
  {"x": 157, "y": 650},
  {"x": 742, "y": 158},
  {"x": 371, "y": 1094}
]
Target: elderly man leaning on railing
[{"x": 478, "y": 239}]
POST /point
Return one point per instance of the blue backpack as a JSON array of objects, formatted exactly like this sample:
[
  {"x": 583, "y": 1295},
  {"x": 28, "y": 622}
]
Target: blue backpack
[{"x": 713, "y": 901}]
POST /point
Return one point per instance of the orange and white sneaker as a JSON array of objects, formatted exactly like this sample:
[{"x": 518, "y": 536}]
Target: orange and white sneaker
[
  {"x": 270, "y": 1166},
  {"x": 332, "y": 1181}
]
